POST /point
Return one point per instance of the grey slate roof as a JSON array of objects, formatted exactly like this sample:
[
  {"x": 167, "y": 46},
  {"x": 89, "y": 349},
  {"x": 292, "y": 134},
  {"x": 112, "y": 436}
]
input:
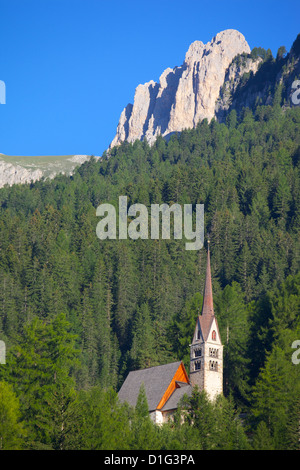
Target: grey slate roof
[
  {"x": 156, "y": 380},
  {"x": 172, "y": 403}
]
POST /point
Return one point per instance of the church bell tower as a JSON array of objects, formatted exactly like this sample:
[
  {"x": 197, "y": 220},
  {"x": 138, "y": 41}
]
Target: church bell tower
[{"x": 206, "y": 350}]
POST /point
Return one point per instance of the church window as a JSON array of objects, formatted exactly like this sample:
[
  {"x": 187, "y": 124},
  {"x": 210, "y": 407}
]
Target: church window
[
  {"x": 198, "y": 335},
  {"x": 214, "y": 335},
  {"x": 213, "y": 365},
  {"x": 213, "y": 352},
  {"x": 197, "y": 365},
  {"x": 198, "y": 352}
]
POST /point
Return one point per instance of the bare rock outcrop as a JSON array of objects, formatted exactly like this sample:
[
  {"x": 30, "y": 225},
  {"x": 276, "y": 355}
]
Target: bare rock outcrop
[
  {"x": 15, "y": 174},
  {"x": 184, "y": 95},
  {"x": 21, "y": 170}
]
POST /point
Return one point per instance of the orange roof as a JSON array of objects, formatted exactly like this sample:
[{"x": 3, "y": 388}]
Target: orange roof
[{"x": 160, "y": 383}]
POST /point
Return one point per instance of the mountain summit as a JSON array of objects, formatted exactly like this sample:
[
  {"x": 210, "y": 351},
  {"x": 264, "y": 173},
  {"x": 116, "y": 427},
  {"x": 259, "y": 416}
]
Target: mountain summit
[{"x": 184, "y": 95}]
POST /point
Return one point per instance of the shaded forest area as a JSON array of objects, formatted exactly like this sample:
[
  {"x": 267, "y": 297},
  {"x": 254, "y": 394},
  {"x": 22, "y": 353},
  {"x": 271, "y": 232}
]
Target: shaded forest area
[{"x": 77, "y": 313}]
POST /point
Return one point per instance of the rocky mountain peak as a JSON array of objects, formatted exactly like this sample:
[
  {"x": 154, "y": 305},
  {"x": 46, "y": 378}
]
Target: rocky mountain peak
[
  {"x": 185, "y": 94},
  {"x": 195, "y": 52}
]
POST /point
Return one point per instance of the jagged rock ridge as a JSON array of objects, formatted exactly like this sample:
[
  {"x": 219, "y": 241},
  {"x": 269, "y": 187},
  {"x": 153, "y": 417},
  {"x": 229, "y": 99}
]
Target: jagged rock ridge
[{"x": 186, "y": 94}]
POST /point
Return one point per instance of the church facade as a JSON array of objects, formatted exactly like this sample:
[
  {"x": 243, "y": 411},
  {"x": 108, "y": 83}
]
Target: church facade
[{"x": 165, "y": 385}]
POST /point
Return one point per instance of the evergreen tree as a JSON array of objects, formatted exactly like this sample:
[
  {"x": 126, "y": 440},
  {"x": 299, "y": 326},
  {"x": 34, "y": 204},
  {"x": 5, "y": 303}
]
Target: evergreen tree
[
  {"x": 104, "y": 423},
  {"x": 274, "y": 393},
  {"x": 200, "y": 415},
  {"x": 293, "y": 425},
  {"x": 184, "y": 326},
  {"x": 39, "y": 369},
  {"x": 143, "y": 430},
  {"x": 229, "y": 431},
  {"x": 233, "y": 323},
  {"x": 142, "y": 353},
  {"x": 12, "y": 431},
  {"x": 262, "y": 439}
]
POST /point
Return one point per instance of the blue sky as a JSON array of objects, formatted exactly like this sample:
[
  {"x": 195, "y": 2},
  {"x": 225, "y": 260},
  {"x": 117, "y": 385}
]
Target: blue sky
[{"x": 71, "y": 66}]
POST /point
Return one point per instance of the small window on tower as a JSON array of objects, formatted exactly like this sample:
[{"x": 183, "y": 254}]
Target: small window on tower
[
  {"x": 197, "y": 365},
  {"x": 213, "y": 352},
  {"x": 213, "y": 365},
  {"x": 198, "y": 335},
  {"x": 214, "y": 335}
]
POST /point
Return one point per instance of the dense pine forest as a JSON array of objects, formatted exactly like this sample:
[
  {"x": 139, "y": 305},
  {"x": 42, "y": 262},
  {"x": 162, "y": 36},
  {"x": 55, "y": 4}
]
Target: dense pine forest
[{"x": 78, "y": 313}]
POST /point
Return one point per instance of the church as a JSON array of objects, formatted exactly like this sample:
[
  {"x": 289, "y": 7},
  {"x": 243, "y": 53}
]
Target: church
[{"x": 165, "y": 385}]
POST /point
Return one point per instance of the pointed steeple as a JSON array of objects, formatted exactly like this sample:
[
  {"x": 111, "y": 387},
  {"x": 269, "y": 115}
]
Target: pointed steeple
[
  {"x": 208, "y": 305},
  {"x": 206, "y": 350}
]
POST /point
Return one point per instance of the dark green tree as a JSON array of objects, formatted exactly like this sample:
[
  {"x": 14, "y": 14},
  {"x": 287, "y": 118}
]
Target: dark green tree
[
  {"x": 142, "y": 353},
  {"x": 144, "y": 432},
  {"x": 40, "y": 368},
  {"x": 232, "y": 318}
]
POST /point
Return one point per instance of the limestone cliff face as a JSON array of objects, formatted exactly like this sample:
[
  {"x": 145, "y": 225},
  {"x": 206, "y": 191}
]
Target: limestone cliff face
[{"x": 184, "y": 95}]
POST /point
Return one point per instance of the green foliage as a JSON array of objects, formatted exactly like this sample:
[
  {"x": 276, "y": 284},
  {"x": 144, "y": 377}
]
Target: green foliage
[
  {"x": 142, "y": 353},
  {"x": 200, "y": 415},
  {"x": 229, "y": 430},
  {"x": 233, "y": 323},
  {"x": 39, "y": 369},
  {"x": 212, "y": 425},
  {"x": 184, "y": 327},
  {"x": 143, "y": 430},
  {"x": 276, "y": 391},
  {"x": 262, "y": 439},
  {"x": 285, "y": 307},
  {"x": 12, "y": 430},
  {"x": 133, "y": 303},
  {"x": 103, "y": 422}
]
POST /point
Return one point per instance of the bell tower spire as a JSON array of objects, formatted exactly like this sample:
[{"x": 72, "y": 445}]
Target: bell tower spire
[
  {"x": 208, "y": 304},
  {"x": 206, "y": 350}
]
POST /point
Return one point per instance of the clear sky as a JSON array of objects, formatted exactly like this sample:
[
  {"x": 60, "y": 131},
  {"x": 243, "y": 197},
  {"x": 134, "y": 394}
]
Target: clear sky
[{"x": 71, "y": 66}]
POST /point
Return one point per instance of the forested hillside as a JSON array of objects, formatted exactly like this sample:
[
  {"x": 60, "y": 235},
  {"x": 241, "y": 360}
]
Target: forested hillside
[{"x": 77, "y": 313}]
